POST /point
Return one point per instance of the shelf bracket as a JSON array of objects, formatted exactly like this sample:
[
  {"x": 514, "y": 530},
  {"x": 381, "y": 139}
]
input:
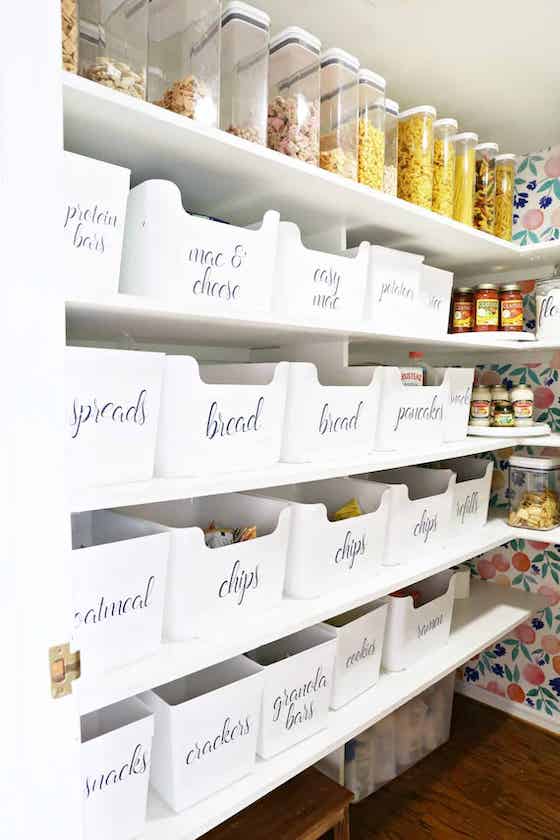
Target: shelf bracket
[{"x": 65, "y": 667}]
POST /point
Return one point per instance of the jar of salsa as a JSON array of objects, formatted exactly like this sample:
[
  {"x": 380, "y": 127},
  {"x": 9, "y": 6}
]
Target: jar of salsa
[
  {"x": 511, "y": 308},
  {"x": 486, "y": 308},
  {"x": 463, "y": 310}
]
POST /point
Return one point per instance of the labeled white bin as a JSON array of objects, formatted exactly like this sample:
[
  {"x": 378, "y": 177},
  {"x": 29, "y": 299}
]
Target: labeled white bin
[
  {"x": 460, "y": 384},
  {"x": 436, "y": 286},
  {"x": 198, "y": 264},
  {"x": 112, "y": 408},
  {"x": 421, "y": 509},
  {"x": 325, "y": 556},
  {"x": 211, "y": 590},
  {"x": 393, "y": 291},
  {"x": 219, "y": 418},
  {"x": 118, "y": 589},
  {"x": 206, "y": 727},
  {"x": 359, "y": 647},
  {"x": 298, "y": 672},
  {"x": 472, "y": 493},
  {"x": 115, "y": 769},
  {"x": 317, "y": 286},
  {"x": 548, "y": 314},
  {"x": 331, "y": 415},
  {"x": 416, "y": 632},
  {"x": 95, "y": 195}
]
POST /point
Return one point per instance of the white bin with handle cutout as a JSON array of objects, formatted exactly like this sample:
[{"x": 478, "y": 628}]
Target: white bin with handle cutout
[
  {"x": 206, "y": 728},
  {"x": 436, "y": 286},
  {"x": 471, "y": 497},
  {"x": 460, "y": 384},
  {"x": 393, "y": 291},
  {"x": 115, "y": 769},
  {"x": 198, "y": 264},
  {"x": 548, "y": 313}
]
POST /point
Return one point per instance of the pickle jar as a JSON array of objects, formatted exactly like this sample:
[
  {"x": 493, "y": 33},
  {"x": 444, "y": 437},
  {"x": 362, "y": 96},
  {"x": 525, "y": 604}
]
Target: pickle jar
[
  {"x": 391, "y": 147},
  {"x": 444, "y": 166},
  {"x": 69, "y": 12},
  {"x": 339, "y": 113},
  {"x": 416, "y": 155},
  {"x": 485, "y": 186},
  {"x": 371, "y": 128},
  {"x": 463, "y": 196},
  {"x": 244, "y": 71},
  {"x": 505, "y": 179},
  {"x": 113, "y": 48},
  {"x": 184, "y": 55},
  {"x": 294, "y": 94}
]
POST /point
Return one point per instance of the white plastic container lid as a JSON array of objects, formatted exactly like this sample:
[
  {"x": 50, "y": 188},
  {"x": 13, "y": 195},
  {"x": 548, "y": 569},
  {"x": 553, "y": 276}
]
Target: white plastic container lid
[
  {"x": 392, "y": 106},
  {"x": 420, "y": 109},
  {"x": 372, "y": 78},
  {"x": 337, "y": 56},
  {"x": 295, "y": 35},
  {"x": 506, "y": 157},
  {"x": 243, "y": 11},
  {"x": 464, "y": 136},
  {"x": 489, "y": 147},
  {"x": 447, "y": 122},
  {"x": 528, "y": 463}
]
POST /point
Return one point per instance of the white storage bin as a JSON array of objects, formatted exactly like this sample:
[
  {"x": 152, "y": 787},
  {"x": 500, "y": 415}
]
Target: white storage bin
[
  {"x": 331, "y": 416},
  {"x": 472, "y": 493},
  {"x": 548, "y": 309},
  {"x": 115, "y": 768},
  {"x": 393, "y": 291},
  {"x": 460, "y": 382},
  {"x": 435, "y": 299},
  {"x": 317, "y": 286},
  {"x": 325, "y": 556},
  {"x": 212, "y": 589},
  {"x": 206, "y": 727},
  {"x": 297, "y": 687},
  {"x": 421, "y": 509},
  {"x": 219, "y": 418},
  {"x": 198, "y": 264},
  {"x": 112, "y": 406},
  {"x": 95, "y": 195},
  {"x": 415, "y": 632},
  {"x": 118, "y": 589},
  {"x": 359, "y": 647}
]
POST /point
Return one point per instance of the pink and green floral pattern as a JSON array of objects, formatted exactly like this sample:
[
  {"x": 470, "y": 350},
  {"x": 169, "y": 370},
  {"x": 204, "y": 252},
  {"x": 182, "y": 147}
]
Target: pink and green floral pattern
[{"x": 536, "y": 215}]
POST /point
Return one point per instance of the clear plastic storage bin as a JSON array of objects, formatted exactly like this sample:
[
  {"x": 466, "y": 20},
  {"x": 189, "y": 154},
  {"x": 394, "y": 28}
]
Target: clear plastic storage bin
[
  {"x": 465, "y": 155},
  {"x": 416, "y": 155},
  {"x": 185, "y": 58},
  {"x": 294, "y": 94},
  {"x": 371, "y": 129},
  {"x": 69, "y": 13},
  {"x": 505, "y": 178},
  {"x": 390, "y": 163},
  {"x": 114, "y": 44},
  {"x": 534, "y": 492},
  {"x": 444, "y": 166},
  {"x": 244, "y": 71},
  {"x": 339, "y": 113},
  {"x": 485, "y": 186}
]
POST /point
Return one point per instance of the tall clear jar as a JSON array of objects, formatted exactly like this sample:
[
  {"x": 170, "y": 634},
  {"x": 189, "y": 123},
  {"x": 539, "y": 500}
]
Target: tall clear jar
[
  {"x": 244, "y": 71},
  {"x": 465, "y": 155},
  {"x": 485, "y": 186},
  {"x": 339, "y": 113},
  {"x": 444, "y": 166},
  {"x": 505, "y": 179},
  {"x": 371, "y": 128},
  {"x": 69, "y": 13},
  {"x": 416, "y": 155},
  {"x": 113, "y": 45},
  {"x": 184, "y": 75},
  {"x": 294, "y": 94},
  {"x": 391, "y": 147}
]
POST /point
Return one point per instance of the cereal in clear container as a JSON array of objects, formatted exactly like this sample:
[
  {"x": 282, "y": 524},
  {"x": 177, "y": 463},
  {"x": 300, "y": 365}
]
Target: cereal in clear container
[{"x": 416, "y": 155}]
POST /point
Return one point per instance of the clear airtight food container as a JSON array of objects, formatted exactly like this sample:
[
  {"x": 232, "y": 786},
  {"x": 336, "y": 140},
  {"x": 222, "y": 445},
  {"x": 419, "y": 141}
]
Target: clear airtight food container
[
  {"x": 444, "y": 166},
  {"x": 534, "y": 492},
  {"x": 184, "y": 58},
  {"x": 463, "y": 202},
  {"x": 416, "y": 155},
  {"x": 505, "y": 179},
  {"x": 371, "y": 128},
  {"x": 294, "y": 94},
  {"x": 69, "y": 12},
  {"x": 113, "y": 44},
  {"x": 244, "y": 71},
  {"x": 339, "y": 113},
  {"x": 391, "y": 147},
  {"x": 485, "y": 186}
]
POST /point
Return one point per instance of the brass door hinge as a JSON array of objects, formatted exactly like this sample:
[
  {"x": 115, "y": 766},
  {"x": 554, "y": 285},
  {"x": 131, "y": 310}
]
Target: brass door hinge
[{"x": 65, "y": 667}]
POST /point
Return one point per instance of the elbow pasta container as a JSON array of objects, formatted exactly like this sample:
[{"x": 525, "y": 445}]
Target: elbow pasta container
[
  {"x": 184, "y": 54},
  {"x": 244, "y": 71},
  {"x": 391, "y": 147},
  {"x": 371, "y": 129},
  {"x": 463, "y": 201},
  {"x": 416, "y": 152},
  {"x": 444, "y": 166},
  {"x": 339, "y": 113},
  {"x": 294, "y": 94},
  {"x": 505, "y": 178},
  {"x": 69, "y": 12},
  {"x": 485, "y": 186}
]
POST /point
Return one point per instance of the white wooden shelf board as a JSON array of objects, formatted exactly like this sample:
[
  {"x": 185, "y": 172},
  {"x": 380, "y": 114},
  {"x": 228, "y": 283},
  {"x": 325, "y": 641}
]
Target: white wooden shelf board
[
  {"x": 490, "y": 613},
  {"x": 550, "y": 536}
]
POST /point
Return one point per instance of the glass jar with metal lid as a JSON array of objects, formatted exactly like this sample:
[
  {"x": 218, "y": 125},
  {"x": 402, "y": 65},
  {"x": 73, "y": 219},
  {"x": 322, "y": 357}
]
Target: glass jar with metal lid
[
  {"x": 486, "y": 308},
  {"x": 511, "y": 308},
  {"x": 462, "y": 318}
]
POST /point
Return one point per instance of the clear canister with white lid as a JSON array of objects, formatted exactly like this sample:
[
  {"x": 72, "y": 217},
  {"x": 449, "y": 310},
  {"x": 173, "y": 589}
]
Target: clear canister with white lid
[
  {"x": 391, "y": 161},
  {"x": 69, "y": 13},
  {"x": 244, "y": 71},
  {"x": 184, "y": 58},
  {"x": 534, "y": 492},
  {"x": 339, "y": 113},
  {"x": 465, "y": 156},
  {"x": 444, "y": 166},
  {"x": 505, "y": 181},
  {"x": 294, "y": 94},
  {"x": 416, "y": 155},
  {"x": 371, "y": 128},
  {"x": 485, "y": 186}
]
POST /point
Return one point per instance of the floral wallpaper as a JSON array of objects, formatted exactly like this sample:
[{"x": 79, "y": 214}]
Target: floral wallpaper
[{"x": 536, "y": 216}]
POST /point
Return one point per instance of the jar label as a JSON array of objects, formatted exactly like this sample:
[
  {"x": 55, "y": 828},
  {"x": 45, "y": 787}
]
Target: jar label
[
  {"x": 503, "y": 420},
  {"x": 463, "y": 314},
  {"x": 512, "y": 313},
  {"x": 523, "y": 408},
  {"x": 487, "y": 312},
  {"x": 480, "y": 409}
]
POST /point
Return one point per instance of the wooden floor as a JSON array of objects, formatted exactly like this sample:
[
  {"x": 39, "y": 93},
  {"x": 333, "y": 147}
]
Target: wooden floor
[{"x": 497, "y": 779}]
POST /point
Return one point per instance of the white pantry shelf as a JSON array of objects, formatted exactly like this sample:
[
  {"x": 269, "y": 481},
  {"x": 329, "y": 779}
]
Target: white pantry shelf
[{"x": 490, "y": 613}]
